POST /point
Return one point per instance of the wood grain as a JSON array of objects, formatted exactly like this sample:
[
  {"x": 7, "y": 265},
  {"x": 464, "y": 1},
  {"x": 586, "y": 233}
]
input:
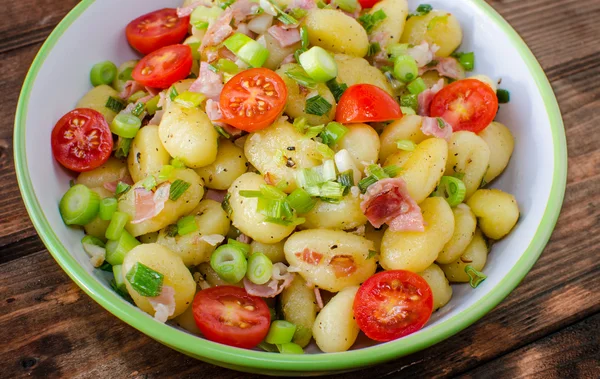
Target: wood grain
[{"x": 548, "y": 327}]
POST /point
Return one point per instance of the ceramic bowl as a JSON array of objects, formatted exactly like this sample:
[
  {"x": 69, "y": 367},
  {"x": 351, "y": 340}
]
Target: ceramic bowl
[{"x": 94, "y": 32}]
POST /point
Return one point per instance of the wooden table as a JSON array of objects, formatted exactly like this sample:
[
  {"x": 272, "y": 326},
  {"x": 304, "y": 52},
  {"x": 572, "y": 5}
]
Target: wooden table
[{"x": 548, "y": 327}]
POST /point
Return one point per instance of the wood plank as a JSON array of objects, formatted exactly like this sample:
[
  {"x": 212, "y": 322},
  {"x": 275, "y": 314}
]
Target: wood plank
[{"x": 570, "y": 353}]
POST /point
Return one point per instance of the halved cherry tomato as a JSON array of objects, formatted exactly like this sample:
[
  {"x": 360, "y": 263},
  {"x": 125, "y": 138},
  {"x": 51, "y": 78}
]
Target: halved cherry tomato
[
  {"x": 366, "y": 103},
  {"x": 392, "y": 304},
  {"x": 164, "y": 67},
  {"x": 156, "y": 29},
  {"x": 228, "y": 315},
  {"x": 367, "y": 3},
  {"x": 81, "y": 140},
  {"x": 467, "y": 104},
  {"x": 253, "y": 99}
]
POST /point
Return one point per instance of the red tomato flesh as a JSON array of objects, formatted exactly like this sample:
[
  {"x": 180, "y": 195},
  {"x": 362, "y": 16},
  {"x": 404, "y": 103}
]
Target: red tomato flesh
[
  {"x": 467, "y": 104},
  {"x": 228, "y": 315},
  {"x": 366, "y": 103},
  {"x": 253, "y": 99},
  {"x": 156, "y": 29},
  {"x": 164, "y": 67},
  {"x": 367, "y": 3},
  {"x": 392, "y": 304},
  {"x": 81, "y": 140}
]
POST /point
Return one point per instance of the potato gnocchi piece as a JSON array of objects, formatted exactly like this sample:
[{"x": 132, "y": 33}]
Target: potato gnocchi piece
[
  {"x": 375, "y": 235},
  {"x": 468, "y": 157},
  {"x": 296, "y": 101},
  {"x": 277, "y": 53},
  {"x": 475, "y": 256},
  {"x": 148, "y": 237},
  {"x": 96, "y": 99},
  {"x": 344, "y": 215},
  {"x": 355, "y": 70},
  {"x": 335, "y": 328},
  {"x": 229, "y": 165},
  {"x": 164, "y": 261},
  {"x": 362, "y": 142},
  {"x": 442, "y": 292},
  {"x": 196, "y": 247},
  {"x": 336, "y": 32},
  {"x": 330, "y": 259},
  {"x": 213, "y": 279},
  {"x": 279, "y": 151},
  {"x": 437, "y": 27},
  {"x": 501, "y": 143},
  {"x": 415, "y": 251},
  {"x": 110, "y": 171},
  {"x": 172, "y": 210},
  {"x": 188, "y": 134},
  {"x": 424, "y": 168},
  {"x": 486, "y": 80},
  {"x": 406, "y": 128},
  {"x": 497, "y": 212},
  {"x": 298, "y": 305},
  {"x": 274, "y": 251},
  {"x": 245, "y": 217},
  {"x": 147, "y": 154},
  {"x": 390, "y": 29},
  {"x": 465, "y": 224},
  {"x": 186, "y": 321}
]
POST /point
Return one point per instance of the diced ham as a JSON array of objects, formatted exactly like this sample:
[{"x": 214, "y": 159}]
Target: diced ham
[
  {"x": 436, "y": 127},
  {"x": 208, "y": 83},
  {"x": 213, "y": 110},
  {"x": 281, "y": 278},
  {"x": 242, "y": 9},
  {"x": 243, "y": 238},
  {"x": 215, "y": 195},
  {"x": 285, "y": 37},
  {"x": 218, "y": 31},
  {"x": 388, "y": 202},
  {"x": 342, "y": 265},
  {"x": 186, "y": 11},
  {"x": 149, "y": 204},
  {"x": 448, "y": 67},
  {"x": 302, "y": 4},
  {"x": 243, "y": 28},
  {"x": 289, "y": 59},
  {"x": 163, "y": 104},
  {"x": 227, "y": 54},
  {"x": 152, "y": 91},
  {"x": 310, "y": 257},
  {"x": 426, "y": 97},
  {"x": 318, "y": 298},
  {"x": 423, "y": 53},
  {"x": 163, "y": 304},
  {"x": 112, "y": 186},
  {"x": 131, "y": 87}
]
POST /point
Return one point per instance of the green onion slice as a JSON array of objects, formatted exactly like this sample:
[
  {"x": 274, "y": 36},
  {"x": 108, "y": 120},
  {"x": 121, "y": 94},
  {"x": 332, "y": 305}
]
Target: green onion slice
[
  {"x": 108, "y": 206},
  {"x": 406, "y": 145},
  {"x": 503, "y": 96},
  {"x": 409, "y": 101},
  {"x": 190, "y": 99},
  {"x": 229, "y": 263},
  {"x": 125, "y": 125},
  {"x": 337, "y": 89},
  {"x": 117, "y": 249},
  {"x": 165, "y": 173},
  {"x": 145, "y": 280},
  {"x": 103, "y": 73},
  {"x": 240, "y": 245},
  {"x": 280, "y": 332},
  {"x": 290, "y": 348},
  {"x": 333, "y": 133},
  {"x": 475, "y": 277},
  {"x": 318, "y": 64},
  {"x": 116, "y": 225},
  {"x": 405, "y": 68},
  {"x": 122, "y": 188},
  {"x": 317, "y": 105},
  {"x": 114, "y": 104},
  {"x": 298, "y": 74},
  {"x": 79, "y": 205},
  {"x": 260, "y": 268},
  {"x": 416, "y": 86},
  {"x": 301, "y": 201},
  {"x": 149, "y": 183},
  {"x": 370, "y": 20},
  {"x": 178, "y": 188},
  {"x": 187, "y": 225},
  {"x": 452, "y": 189}
]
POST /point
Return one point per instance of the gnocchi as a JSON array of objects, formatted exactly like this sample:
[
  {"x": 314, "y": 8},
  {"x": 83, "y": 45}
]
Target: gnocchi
[
  {"x": 475, "y": 256},
  {"x": 468, "y": 157},
  {"x": 464, "y": 230},
  {"x": 442, "y": 292},
  {"x": 335, "y": 329},
  {"x": 228, "y": 166},
  {"x": 336, "y": 32},
  {"x": 299, "y": 306},
  {"x": 501, "y": 143},
  {"x": 497, "y": 212}
]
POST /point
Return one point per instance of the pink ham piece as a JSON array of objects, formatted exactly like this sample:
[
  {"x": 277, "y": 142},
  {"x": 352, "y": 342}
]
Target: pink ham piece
[
  {"x": 423, "y": 53},
  {"x": 319, "y": 298},
  {"x": 208, "y": 83},
  {"x": 302, "y": 4},
  {"x": 436, "y": 127},
  {"x": 131, "y": 87},
  {"x": 213, "y": 111},
  {"x": 215, "y": 195},
  {"x": 242, "y": 9},
  {"x": 243, "y": 238},
  {"x": 426, "y": 97},
  {"x": 388, "y": 202},
  {"x": 149, "y": 204},
  {"x": 448, "y": 67},
  {"x": 218, "y": 31},
  {"x": 281, "y": 278},
  {"x": 186, "y": 11},
  {"x": 289, "y": 59},
  {"x": 285, "y": 37},
  {"x": 163, "y": 304}
]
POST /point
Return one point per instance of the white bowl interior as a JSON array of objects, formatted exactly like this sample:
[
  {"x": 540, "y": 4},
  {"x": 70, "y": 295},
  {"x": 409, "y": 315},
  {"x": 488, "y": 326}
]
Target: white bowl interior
[{"x": 98, "y": 35}]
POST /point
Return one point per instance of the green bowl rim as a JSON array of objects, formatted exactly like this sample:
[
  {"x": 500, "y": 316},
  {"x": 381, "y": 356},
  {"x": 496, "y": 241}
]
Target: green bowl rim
[{"x": 256, "y": 360}]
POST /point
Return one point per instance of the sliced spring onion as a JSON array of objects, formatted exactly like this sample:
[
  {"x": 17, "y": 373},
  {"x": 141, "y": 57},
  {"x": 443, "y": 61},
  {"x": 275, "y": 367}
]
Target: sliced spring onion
[
  {"x": 121, "y": 188},
  {"x": 103, "y": 73},
  {"x": 144, "y": 280},
  {"x": 240, "y": 245},
  {"x": 177, "y": 163},
  {"x": 202, "y": 16},
  {"x": 290, "y": 348},
  {"x": 466, "y": 60},
  {"x": 377, "y": 171},
  {"x": 373, "y": 49},
  {"x": 301, "y": 201},
  {"x": 301, "y": 77},
  {"x": 372, "y": 253},
  {"x": 406, "y": 145},
  {"x": 178, "y": 188},
  {"x": 297, "y": 13},
  {"x": 260, "y": 268},
  {"x": 422, "y": 10},
  {"x": 117, "y": 249},
  {"x": 266, "y": 346},
  {"x": 79, "y": 205},
  {"x": 370, "y": 20},
  {"x": 333, "y": 133},
  {"x": 152, "y": 105},
  {"x": 190, "y": 99},
  {"x": 395, "y": 50},
  {"x": 125, "y": 125},
  {"x": 165, "y": 173},
  {"x": 366, "y": 183},
  {"x": 138, "y": 110},
  {"x": 108, "y": 206},
  {"x": 119, "y": 280},
  {"x": 331, "y": 190},
  {"x": 149, "y": 183},
  {"x": 475, "y": 277},
  {"x": 337, "y": 89},
  {"x": 253, "y": 54},
  {"x": 226, "y": 206},
  {"x": 416, "y": 86},
  {"x": 116, "y": 225},
  {"x": 410, "y": 101},
  {"x": 347, "y": 5},
  {"x": 229, "y": 263},
  {"x": 91, "y": 240},
  {"x": 304, "y": 36},
  {"x": 271, "y": 192},
  {"x": 186, "y": 225},
  {"x": 407, "y": 111},
  {"x": 173, "y": 93},
  {"x": 318, "y": 64},
  {"x": 136, "y": 96},
  {"x": 452, "y": 189},
  {"x": 280, "y": 332},
  {"x": 346, "y": 179},
  {"x": 405, "y": 68},
  {"x": 227, "y": 66},
  {"x": 114, "y": 104},
  {"x": 283, "y": 17},
  {"x": 503, "y": 96},
  {"x": 392, "y": 171},
  {"x": 236, "y": 42},
  {"x": 317, "y": 105},
  {"x": 195, "y": 46}
]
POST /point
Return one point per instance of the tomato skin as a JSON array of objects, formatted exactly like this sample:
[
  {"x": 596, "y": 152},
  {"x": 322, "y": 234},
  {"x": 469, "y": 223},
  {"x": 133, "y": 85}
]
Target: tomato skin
[
  {"x": 156, "y": 29},
  {"x": 366, "y": 103},
  {"x": 81, "y": 140},
  {"x": 368, "y": 3},
  {"x": 244, "y": 93},
  {"x": 212, "y": 305},
  {"x": 379, "y": 295},
  {"x": 467, "y": 104},
  {"x": 163, "y": 67}
]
